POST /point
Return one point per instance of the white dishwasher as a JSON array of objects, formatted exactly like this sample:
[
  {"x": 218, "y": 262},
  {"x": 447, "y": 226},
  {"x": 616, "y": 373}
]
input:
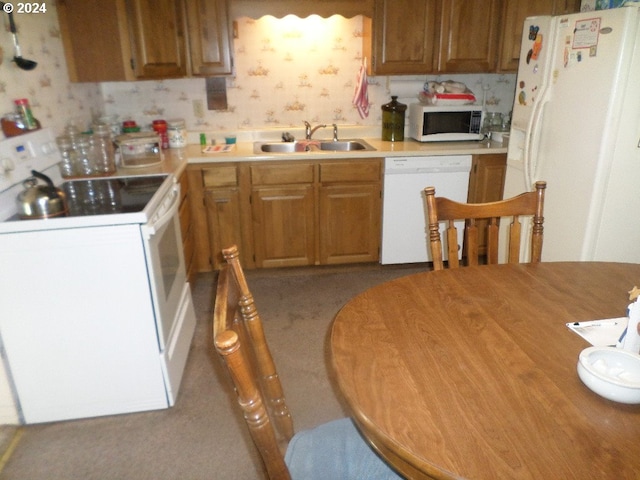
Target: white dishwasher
[{"x": 404, "y": 210}]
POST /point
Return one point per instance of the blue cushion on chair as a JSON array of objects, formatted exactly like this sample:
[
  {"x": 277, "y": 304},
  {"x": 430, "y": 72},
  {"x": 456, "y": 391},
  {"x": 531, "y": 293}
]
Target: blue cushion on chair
[{"x": 336, "y": 451}]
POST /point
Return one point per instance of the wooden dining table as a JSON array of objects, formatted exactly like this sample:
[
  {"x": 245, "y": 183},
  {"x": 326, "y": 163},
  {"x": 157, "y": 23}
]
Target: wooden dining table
[{"x": 471, "y": 372}]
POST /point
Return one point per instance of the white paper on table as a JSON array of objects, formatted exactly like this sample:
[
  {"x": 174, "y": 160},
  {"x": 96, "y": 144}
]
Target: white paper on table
[{"x": 600, "y": 333}]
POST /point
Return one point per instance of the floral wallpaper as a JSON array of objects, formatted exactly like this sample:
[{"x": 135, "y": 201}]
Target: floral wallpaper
[
  {"x": 54, "y": 100},
  {"x": 286, "y": 71}
]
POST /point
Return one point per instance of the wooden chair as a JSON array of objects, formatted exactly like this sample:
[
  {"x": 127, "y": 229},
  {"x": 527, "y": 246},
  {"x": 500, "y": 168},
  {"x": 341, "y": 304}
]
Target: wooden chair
[
  {"x": 442, "y": 209},
  {"x": 327, "y": 451}
]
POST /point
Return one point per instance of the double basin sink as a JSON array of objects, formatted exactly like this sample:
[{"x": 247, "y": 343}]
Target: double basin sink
[{"x": 353, "y": 145}]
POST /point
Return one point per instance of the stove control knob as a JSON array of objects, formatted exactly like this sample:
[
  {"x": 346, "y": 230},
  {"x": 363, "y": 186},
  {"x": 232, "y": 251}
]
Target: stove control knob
[{"x": 6, "y": 166}]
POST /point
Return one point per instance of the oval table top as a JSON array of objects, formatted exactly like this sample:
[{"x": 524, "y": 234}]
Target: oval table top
[{"x": 471, "y": 372}]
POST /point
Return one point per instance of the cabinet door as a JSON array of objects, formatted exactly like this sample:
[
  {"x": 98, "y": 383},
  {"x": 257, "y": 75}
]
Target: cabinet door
[
  {"x": 515, "y": 12},
  {"x": 158, "y": 38},
  {"x": 350, "y": 211},
  {"x": 223, "y": 217},
  {"x": 486, "y": 181},
  {"x": 283, "y": 225},
  {"x": 401, "y": 38},
  {"x": 209, "y": 41},
  {"x": 349, "y": 223},
  {"x": 469, "y": 35},
  {"x": 486, "y": 184},
  {"x": 95, "y": 54}
]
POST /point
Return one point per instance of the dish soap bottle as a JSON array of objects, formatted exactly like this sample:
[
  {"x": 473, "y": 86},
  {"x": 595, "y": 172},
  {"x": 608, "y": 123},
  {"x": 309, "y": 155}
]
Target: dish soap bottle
[{"x": 393, "y": 120}]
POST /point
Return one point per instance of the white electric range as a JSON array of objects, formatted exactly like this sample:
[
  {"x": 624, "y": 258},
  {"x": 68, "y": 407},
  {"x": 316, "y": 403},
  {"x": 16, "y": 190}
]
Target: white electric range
[{"x": 97, "y": 316}]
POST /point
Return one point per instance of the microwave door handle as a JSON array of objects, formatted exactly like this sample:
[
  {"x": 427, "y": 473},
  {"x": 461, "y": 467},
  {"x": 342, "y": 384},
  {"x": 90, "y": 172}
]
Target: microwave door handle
[{"x": 156, "y": 223}]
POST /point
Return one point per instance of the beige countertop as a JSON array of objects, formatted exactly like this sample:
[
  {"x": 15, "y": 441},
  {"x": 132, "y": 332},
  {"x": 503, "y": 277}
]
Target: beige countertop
[
  {"x": 176, "y": 159},
  {"x": 243, "y": 151}
]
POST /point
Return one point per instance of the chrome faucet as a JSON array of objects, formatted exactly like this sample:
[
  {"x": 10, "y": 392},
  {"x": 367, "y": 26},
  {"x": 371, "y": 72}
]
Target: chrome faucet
[
  {"x": 308, "y": 131},
  {"x": 335, "y": 132}
]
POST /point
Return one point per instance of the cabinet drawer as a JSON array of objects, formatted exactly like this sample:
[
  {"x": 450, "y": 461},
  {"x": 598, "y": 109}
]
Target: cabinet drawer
[
  {"x": 281, "y": 174},
  {"x": 350, "y": 172},
  {"x": 220, "y": 176}
]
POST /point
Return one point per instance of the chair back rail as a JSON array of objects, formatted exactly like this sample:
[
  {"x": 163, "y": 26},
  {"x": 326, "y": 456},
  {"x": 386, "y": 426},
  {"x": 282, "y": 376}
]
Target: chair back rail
[
  {"x": 269, "y": 379},
  {"x": 443, "y": 209},
  {"x": 235, "y": 343}
]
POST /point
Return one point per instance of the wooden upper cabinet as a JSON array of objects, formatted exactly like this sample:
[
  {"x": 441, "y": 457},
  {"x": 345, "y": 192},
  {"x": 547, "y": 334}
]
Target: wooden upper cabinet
[
  {"x": 514, "y": 15},
  {"x": 96, "y": 39},
  {"x": 158, "y": 37},
  {"x": 469, "y": 34},
  {"x": 112, "y": 40},
  {"x": 209, "y": 37},
  {"x": 401, "y": 38}
]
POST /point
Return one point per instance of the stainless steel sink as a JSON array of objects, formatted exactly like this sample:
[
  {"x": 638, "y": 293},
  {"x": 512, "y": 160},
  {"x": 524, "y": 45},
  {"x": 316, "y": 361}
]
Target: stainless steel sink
[
  {"x": 352, "y": 145},
  {"x": 345, "y": 145},
  {"x": 280, "y": 147}
]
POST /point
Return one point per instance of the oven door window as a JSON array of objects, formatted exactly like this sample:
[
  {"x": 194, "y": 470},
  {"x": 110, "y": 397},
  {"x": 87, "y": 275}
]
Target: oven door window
[{"x": 166, "y": 275}]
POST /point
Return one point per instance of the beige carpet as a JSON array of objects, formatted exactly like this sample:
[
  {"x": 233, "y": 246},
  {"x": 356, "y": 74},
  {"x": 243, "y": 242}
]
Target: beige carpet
[{"x": 203, "y": 435}]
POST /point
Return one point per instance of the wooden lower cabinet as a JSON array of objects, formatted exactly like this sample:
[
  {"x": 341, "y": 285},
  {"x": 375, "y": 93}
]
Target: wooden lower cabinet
[
  {"x": 222, "y": 206},
  {"x": 486, "y": 181},
  {"x": 216, "y": 213},
  {"x": 283, "y": 226},
  {"x": 350, "y": 212},
  {"x": 289, "y": 213},
  {"x": 486, "y": 184},
  {"x": 349, "y": 224}
]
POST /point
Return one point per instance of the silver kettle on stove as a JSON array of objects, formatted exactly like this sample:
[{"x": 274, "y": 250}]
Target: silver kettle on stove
[{"x": 41, "y": 201}]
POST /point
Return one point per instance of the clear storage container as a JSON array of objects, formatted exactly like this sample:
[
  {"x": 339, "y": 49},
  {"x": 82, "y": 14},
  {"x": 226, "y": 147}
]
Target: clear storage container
[{"x": 139, "y": 149}]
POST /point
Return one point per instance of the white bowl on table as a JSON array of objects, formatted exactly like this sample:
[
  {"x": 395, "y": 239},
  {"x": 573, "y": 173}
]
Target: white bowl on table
[{"x": 611, "y": 372}]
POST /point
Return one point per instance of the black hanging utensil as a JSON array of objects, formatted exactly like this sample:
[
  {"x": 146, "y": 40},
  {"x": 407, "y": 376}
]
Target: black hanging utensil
[{"x": 22, "y": 63}]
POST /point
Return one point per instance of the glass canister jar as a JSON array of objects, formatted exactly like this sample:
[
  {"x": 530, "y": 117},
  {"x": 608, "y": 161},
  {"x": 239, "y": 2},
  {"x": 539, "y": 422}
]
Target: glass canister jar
[
  {"x": 69, "y": 158},
  {"x": 393, "y": 120},
  {"x": 85, "y": 158},
  {"x": 177, "y": 133},
  {"x": 105, "y": 157}
]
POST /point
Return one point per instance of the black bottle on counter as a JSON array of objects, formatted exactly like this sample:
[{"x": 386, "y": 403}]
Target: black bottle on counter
[{"x": 393, "y": 120}]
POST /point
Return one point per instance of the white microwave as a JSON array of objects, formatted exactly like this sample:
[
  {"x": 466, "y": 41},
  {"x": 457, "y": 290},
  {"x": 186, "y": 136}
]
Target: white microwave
[{"x": 445, "y": 123}]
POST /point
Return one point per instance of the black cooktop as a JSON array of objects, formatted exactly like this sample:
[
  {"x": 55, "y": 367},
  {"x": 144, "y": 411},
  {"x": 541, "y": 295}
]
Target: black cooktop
[{"x": 109, "y": 195}]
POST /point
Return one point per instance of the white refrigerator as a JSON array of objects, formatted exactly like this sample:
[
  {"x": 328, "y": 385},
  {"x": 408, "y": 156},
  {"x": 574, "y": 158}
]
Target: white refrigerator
[{"x": 576, "y": 124}]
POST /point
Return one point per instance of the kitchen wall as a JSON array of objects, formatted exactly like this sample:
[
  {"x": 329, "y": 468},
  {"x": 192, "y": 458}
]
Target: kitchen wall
[
  {"x": 287, "y": 70},
  {"x": 54, "y": 101}
]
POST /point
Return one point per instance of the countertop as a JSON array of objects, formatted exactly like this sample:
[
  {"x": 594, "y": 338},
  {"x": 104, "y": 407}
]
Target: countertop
[
  {"x": 176, "y": 159},
  {"x": 243, "y": 151}
]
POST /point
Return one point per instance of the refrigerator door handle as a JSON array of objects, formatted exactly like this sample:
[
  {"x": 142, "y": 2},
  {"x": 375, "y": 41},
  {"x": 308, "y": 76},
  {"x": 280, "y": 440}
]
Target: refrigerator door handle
[
  {"x": 532, "y": 137},
  {"x": 532, "y": 141}
]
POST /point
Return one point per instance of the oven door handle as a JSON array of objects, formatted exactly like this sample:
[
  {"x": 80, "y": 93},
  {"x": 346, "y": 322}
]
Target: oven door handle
[{"x": 164, "y": 214}]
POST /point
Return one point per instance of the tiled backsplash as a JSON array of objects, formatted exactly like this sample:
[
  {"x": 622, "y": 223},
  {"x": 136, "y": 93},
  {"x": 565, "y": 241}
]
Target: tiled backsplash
[{"x": 286, "y": 71}]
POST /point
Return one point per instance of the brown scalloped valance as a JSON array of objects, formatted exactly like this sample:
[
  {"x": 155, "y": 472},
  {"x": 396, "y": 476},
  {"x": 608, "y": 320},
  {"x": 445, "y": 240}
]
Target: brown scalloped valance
[{"x": 300, "y": 8}]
